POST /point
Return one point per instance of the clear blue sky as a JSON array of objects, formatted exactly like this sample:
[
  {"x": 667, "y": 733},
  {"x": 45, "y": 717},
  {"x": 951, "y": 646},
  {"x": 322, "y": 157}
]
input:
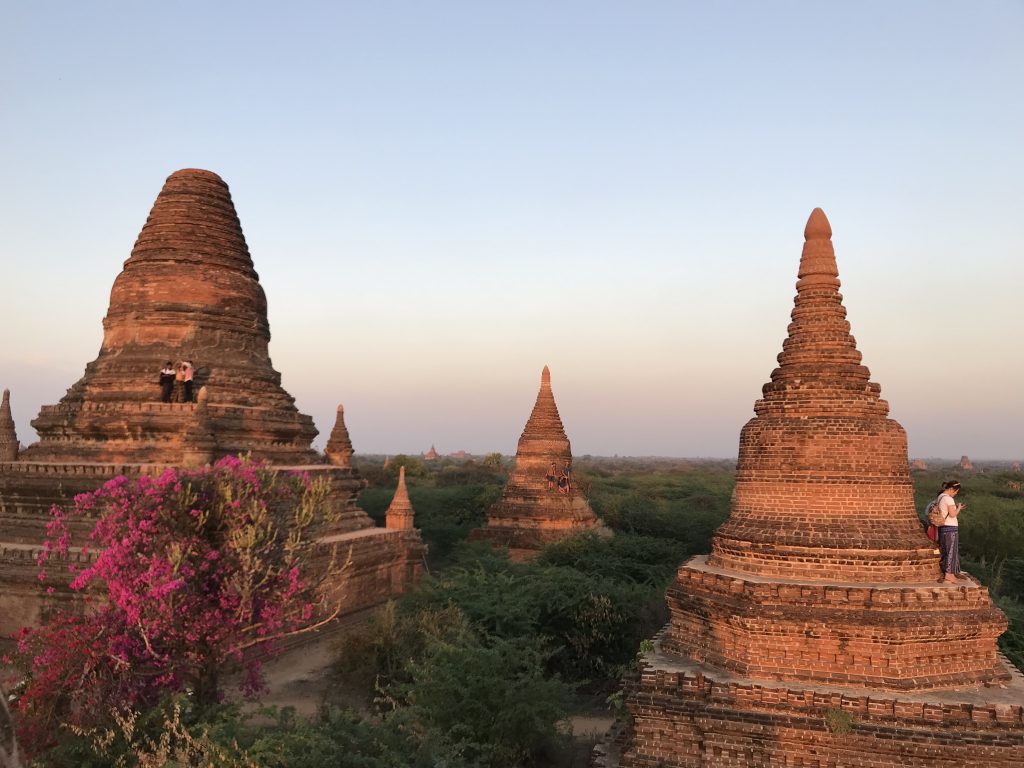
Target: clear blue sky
[{"x": 443, "y": 197}]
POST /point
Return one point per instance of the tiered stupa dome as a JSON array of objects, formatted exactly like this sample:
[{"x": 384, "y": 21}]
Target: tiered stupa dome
[
  {"x": 188, "y": 292},
  {"x": 822, "y": 518},
  {"x": 823, "y": 483},
  {"x": 815, "y": 634}
]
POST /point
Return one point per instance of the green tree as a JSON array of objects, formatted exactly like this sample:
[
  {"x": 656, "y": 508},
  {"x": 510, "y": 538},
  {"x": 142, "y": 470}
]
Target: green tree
[
  {"x": 490, "y": 700},
  {"x": 494, "y": 461}
]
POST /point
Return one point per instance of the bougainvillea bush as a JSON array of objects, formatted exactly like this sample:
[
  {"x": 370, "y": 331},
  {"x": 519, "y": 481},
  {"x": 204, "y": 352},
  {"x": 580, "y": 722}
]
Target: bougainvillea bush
[{"x": 191, "y": 573}]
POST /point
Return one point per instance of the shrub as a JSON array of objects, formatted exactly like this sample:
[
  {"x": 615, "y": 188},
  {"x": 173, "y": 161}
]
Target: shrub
[
  {"x": 194, "y": 571},
  {"x": 490, "y": 700}
]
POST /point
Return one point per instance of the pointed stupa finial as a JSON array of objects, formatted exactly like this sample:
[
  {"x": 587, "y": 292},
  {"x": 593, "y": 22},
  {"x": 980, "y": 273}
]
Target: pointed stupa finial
[
  {"x": 818, "y": 227},
  {"x": 819, "y": 350},
  {"x": 400, "y": 514},
  {"x": 339, "y": 444},
  {"x": 8, "y": 433},
  {"x": 544, "y": 423}
]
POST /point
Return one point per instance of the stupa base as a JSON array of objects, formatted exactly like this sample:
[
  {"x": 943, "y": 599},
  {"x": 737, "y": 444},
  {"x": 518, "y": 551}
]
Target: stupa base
[{"x": 688, "y": 715}]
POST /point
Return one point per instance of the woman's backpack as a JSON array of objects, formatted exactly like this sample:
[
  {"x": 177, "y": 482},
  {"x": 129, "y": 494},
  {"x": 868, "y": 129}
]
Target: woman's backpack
[{"x": 933, "y": 512}]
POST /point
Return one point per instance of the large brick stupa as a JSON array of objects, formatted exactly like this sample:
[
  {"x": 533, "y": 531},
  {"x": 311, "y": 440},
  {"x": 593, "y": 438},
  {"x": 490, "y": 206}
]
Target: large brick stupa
[
  {"x": 815, "y": 634},
  {"x": 188, "y": 292},
  {"x": 534, "y": 511}
]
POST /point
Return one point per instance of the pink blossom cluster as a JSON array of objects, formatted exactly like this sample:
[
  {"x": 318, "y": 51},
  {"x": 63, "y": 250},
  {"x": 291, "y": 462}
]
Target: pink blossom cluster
[{"x": 190, "y": 573}]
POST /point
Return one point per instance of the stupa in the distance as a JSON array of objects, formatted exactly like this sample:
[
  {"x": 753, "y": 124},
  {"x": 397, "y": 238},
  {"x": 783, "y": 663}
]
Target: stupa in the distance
[
  {"x": 816, "y": 634},
  {"x": 535, "y": 508},
  {"x": 188, "y": 292}
]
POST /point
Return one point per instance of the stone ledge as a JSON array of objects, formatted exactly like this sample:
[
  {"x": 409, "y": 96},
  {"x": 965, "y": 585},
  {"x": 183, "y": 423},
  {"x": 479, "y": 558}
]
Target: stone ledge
[
  {"x": 876, "y": 596},
  {"x": 1006, "y": 700}
]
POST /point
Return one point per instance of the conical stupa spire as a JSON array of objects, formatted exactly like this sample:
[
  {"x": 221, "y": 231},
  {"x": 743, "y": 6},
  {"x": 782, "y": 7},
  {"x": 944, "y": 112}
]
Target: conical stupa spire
[
  {"x": 8, "y": 433},
  {"x": 544, "y": 422},
  {"x": 819, "y": 361},
  {"x": 819, "y": 447},
  {"x": 400, "y": 513},
  {"x": 339, "y": 445}
]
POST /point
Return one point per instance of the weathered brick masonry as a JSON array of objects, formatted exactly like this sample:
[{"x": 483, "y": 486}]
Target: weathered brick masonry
[
  {"x": 815, "y": 634},
  {"x": 188, "y": 292}
]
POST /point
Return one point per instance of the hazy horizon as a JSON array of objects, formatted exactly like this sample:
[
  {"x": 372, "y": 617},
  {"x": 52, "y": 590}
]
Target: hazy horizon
[{"x": 441, "y": 199}]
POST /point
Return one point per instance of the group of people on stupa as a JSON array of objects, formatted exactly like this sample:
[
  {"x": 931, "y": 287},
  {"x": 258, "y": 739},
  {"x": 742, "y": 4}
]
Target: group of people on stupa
[
  {"x": 562, "y": 480},
  {"x": 176, "y": 382}
]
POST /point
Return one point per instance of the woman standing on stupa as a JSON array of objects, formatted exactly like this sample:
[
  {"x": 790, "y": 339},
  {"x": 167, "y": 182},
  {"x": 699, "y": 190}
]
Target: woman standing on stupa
[
  {"x": 949, "y": 532},
  {"x": 189, "y": 372}
]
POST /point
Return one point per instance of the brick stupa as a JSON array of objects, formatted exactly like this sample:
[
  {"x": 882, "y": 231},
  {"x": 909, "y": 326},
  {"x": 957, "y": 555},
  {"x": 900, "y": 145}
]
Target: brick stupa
[
  {"x": 8, "y": 434},
  {"x": 815, "y": 634},
  {"x": 188, "y": 292},
  {"x": 339, "y": 444},
  {"x": 531, "y": 513},
  {"x": 400, "y": 513}
]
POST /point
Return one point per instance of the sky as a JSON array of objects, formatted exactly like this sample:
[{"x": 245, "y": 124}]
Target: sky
[{"x": 441, "y": 198}]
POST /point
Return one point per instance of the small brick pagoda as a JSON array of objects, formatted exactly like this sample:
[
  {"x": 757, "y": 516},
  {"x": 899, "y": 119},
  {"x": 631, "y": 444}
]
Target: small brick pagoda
[
  {"x": 9, "y": 445},
  {"x": 533, "y": 511},
  {"x": 188, "y": 292},
  {"x": 815, "y": 634},
  {"x": 400, "y": 514}
]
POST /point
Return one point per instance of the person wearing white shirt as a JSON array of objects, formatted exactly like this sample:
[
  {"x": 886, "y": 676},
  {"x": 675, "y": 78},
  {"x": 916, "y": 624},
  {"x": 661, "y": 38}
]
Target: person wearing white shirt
[{"x": 949, "y": 532}]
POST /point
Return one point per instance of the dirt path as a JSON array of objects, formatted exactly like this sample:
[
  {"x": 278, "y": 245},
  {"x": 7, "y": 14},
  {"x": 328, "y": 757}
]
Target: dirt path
[{"x": 300, "y": 678}]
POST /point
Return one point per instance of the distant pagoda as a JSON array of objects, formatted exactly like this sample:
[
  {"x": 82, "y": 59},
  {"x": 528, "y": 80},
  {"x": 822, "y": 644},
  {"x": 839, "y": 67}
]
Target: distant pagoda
[
  {"x": 533, "y": 510},
  {"x": 815, "y": 633},
  {"x": 400, "y": 513},
  {"x": 9, "y": 445},
  {"x": 187, "y": 292},
  {"x": 339, "y": 444}
]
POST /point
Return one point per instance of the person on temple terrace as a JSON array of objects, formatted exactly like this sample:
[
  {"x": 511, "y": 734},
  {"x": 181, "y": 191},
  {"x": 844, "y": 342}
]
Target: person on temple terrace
[
  {"x": 189, "y": 372},
  {"x": 551, "y": 476},
  {"x": 565, "y": 479},
  {"x": 949, "y": 532},
  {"x": 166, "y": 382}
]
